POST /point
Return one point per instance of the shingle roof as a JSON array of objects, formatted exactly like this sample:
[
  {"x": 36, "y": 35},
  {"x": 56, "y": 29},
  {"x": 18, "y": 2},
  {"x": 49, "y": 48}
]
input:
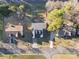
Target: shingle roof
[{"x": 38, "y": 26}]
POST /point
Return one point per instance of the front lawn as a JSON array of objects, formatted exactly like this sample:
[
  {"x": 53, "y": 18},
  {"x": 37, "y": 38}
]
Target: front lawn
[
  {"x": 65, "y": 56},
  {"x": 23, "y": 57},
  {"x": 65, "y": 42}
]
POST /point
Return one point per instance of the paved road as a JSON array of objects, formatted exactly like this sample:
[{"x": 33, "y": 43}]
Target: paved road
[{"x": 47, "y": 52}]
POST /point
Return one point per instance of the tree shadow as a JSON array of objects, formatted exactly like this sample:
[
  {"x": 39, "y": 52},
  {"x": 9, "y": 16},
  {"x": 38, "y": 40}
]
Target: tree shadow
[
  {"x": 72, "y": 50},
  {"x": 6, "y": 51}
]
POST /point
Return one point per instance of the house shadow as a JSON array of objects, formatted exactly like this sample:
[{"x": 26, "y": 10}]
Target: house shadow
[
  {"x": 28, "y": 37},
  {"x": 45, "y": 38}
]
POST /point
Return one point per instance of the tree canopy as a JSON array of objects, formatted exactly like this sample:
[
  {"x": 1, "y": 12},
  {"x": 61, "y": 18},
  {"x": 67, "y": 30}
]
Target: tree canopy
[
  {"x": 56, "y": 18},
  {"x": 4, "y": 10},
  {"x": 16, "y": 7}
]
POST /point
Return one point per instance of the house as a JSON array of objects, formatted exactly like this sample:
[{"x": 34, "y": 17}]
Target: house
[
  {"x": 67, "y": 30},
  {"x": 11, "y": 29},
  {"x": 37, "y": 29},
  {"x": 37, "y": 32}
]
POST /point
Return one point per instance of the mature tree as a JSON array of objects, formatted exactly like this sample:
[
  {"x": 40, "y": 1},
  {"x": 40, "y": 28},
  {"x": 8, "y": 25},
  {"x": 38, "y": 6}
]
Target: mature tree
[
  {"x": 74, "y": 2},
  {"x": 56, "y": 18},
  {"x": 50, "y": 5},
  {"x": 18, "y": 9},
  {"x": 4, "y": 10}
]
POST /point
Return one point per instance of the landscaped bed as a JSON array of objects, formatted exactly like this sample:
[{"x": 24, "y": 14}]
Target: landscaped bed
[{"x": 22, "y": 57}]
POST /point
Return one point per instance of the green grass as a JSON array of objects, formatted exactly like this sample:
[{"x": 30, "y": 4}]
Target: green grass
[
  {"x": 65, "y": 56},
  {"x": 29, "y": 57},
  {"x": 24, "y": 57}
]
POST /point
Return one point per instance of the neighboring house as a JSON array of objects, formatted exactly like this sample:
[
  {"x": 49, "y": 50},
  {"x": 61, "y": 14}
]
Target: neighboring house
[
  {"x": 68, "y": 30},
  {"x": 11, "y": 29}
]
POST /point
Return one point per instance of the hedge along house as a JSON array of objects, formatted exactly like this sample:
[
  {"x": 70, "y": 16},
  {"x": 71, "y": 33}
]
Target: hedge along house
[{"x": 12, "y": 31}]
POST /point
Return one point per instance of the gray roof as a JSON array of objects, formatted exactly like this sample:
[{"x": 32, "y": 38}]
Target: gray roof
[{"x": 38, "y": 26}]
